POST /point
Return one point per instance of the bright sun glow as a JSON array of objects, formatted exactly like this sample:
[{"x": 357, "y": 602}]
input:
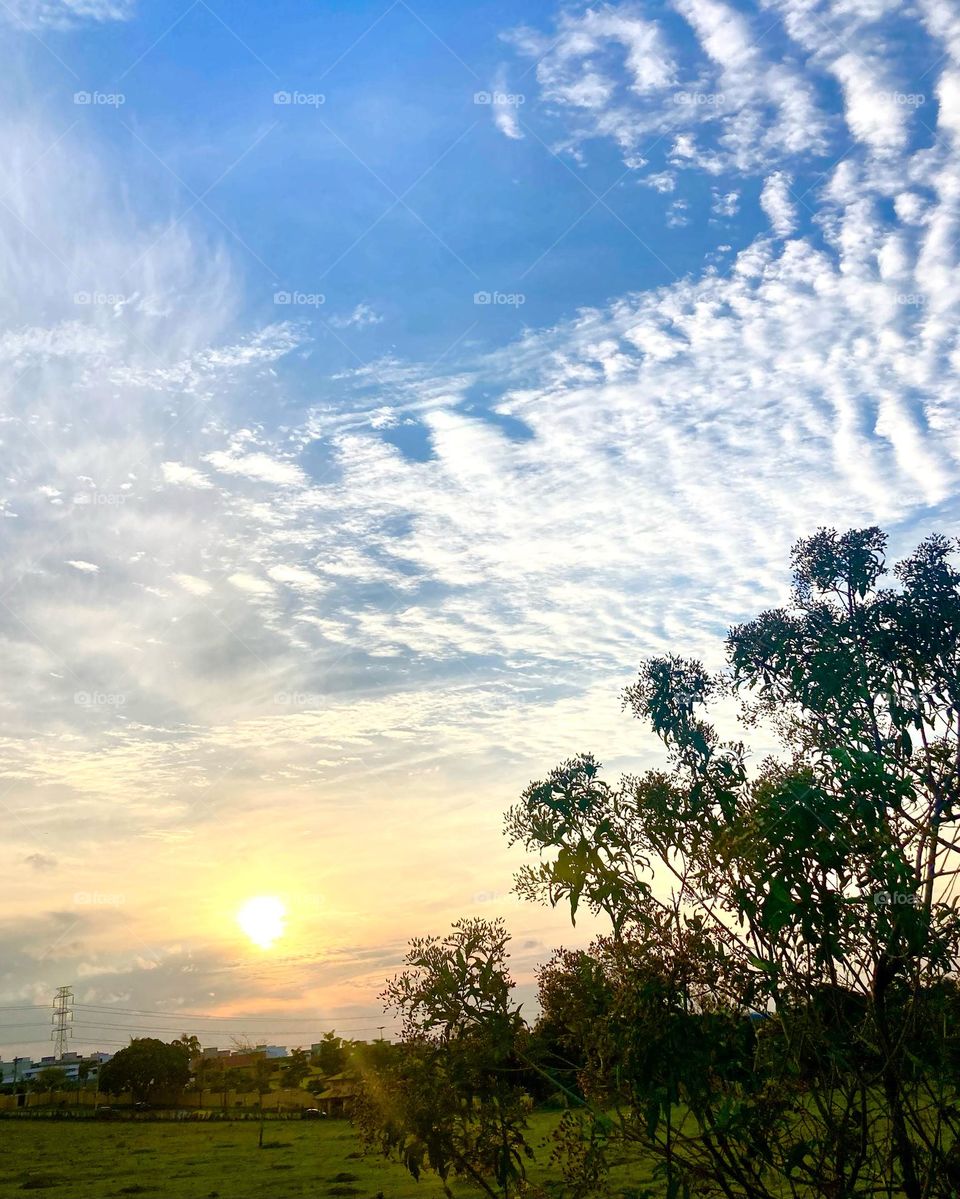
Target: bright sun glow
[{"x": 261, "y": 918}]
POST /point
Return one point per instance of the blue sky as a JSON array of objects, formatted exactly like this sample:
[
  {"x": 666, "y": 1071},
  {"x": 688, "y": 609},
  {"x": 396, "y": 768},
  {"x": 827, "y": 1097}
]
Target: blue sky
[{"x": 381, "y": 382}]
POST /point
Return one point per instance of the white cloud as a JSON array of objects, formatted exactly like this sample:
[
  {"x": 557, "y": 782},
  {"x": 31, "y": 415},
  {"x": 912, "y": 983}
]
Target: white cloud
[
  {"x": 384, "y": 418},
  {"x": 873, "y": 114},
  {"x": 725, "y": 203},
  {"x": 661, "y": 181},
  {"x": 194, "y": 585},
  {"x": 777, "y": 203},
  {"x": 83, "y": 567},
  {"x": 296, "y": 576},
  {"x": 188, "y": 476},
  {"x": 622, "y": 76},
  {"x": 677, "y": 217},
  {"x": 251, "y": 584},
  {"x": 362, "y": 317},
  {"x": 505, "y": 107},
  {"x": 948, "y": 96},
  {"x": 64, "y": 14},
  {"x": 258, "y": 466}
]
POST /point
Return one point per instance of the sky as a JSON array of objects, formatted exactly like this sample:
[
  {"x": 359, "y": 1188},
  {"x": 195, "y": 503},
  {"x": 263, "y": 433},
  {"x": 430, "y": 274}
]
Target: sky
[{"x": 379, "y": 384}]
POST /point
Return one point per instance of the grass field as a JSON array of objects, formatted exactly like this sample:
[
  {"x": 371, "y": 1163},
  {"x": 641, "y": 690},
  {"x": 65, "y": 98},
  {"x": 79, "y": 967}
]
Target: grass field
[
  {"x": 92, "y": 1160},
  {"x": 323, "y": 1160}
]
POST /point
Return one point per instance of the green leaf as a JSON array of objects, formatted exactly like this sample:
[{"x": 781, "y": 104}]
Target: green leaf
[
  {"x": 653, "y": 1117},
  {"x": 762, "y": 964}
]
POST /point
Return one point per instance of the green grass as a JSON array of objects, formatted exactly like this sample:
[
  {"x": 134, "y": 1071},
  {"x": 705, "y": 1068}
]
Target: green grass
[
  {"x": 87, "y": 1159},
  {"x": 93, "y": 1160}
]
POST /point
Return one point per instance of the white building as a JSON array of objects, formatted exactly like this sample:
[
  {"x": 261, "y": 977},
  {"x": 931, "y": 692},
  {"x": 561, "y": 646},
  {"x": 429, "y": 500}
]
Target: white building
[
  {"x": 24, "y": 1068},
  {"x": 211, "y": 1051}
]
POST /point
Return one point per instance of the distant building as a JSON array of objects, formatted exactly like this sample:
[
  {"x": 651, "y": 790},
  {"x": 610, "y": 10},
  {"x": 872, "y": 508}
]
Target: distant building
[
  {"x": 338, "y": 1097},
  {"x": 231, "y": 1056},
  {"x": 25, "y": 1068},
  {"x": 274, "y": 1050}
]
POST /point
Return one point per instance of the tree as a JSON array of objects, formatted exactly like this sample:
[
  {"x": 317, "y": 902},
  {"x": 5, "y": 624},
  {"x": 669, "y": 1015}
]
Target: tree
[
  {"x": 297, "y": 1067},
  {"x": 191, "y": 1044},
  {"x": 447, "y": 1098},
  {"x": 50, "y": 1079},
  {"x": 203, "y": 1068},
  {"x": 262, "y": 1079},
  {"x": 783, "y": 936},
  {"x": 239, "y": 1079},
  {"x": 145, "y": 1066},
  {"x": 574, "y": 996},
  {"x": 331, "y": 1054}
]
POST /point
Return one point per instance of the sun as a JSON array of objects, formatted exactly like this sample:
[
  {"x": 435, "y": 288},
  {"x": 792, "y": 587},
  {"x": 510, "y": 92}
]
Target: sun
[{"x": 262, "y": 919}]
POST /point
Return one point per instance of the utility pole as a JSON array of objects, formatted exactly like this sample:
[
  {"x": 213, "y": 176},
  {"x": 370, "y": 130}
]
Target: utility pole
[{"x": 62, "y": 1021}]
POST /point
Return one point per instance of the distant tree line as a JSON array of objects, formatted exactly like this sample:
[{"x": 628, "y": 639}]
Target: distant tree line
[
  {"x": 775, "y": 1008},
  {"x": 150, "y": 1069}
]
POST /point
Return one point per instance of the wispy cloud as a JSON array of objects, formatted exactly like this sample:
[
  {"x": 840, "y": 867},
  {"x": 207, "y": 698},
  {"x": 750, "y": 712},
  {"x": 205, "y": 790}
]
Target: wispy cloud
[
  {"x": 362, "y": 317},
  {"x": 506, "y": 107},
  {"x": 64, "y": 14},
  {"x": 239, "y": 624},
  {"x": 615, "y": 72}
]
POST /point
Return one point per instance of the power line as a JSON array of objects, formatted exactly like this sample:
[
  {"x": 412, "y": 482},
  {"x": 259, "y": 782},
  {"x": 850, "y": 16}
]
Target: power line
[
  {"x": 181, "y": 1016},
  {"x": 69, "y": 1018},
  {"x": 211, "y": 1015},
  {"x": 8, "y": 1044},
  {"x": 221, "y": 1032}
]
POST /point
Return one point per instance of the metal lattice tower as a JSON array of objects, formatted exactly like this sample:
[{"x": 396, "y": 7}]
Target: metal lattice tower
[{"x": 62, "y": 1020}]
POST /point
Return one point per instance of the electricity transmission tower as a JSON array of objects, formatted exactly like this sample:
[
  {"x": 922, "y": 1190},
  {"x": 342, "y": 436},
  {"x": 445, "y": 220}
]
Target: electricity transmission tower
[{"x": 62, "y": 1020}]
